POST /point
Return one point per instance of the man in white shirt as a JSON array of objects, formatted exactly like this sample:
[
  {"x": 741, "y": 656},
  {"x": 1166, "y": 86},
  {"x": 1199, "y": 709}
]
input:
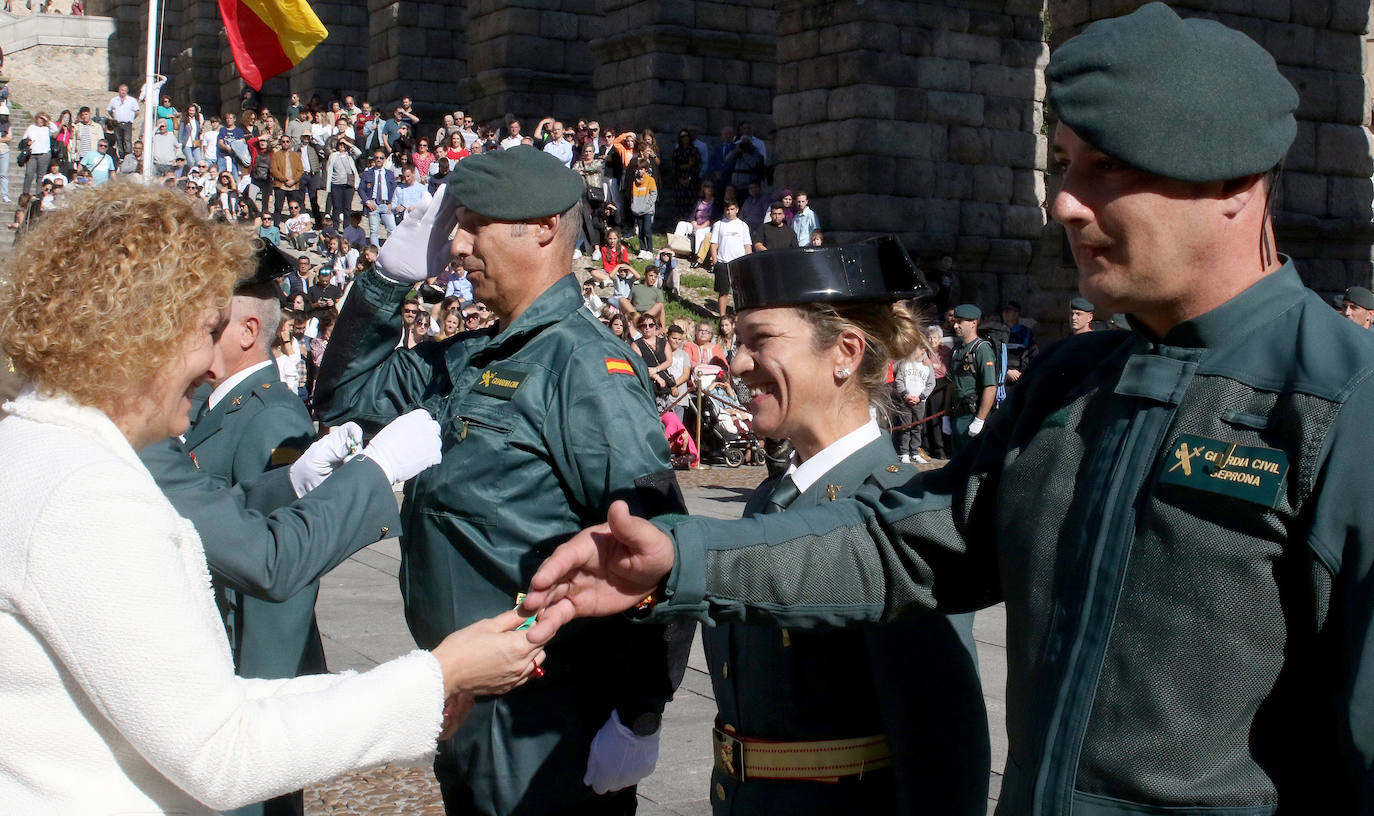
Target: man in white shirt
[
  {"x": 299, "y": 227},
  {"x": 124, "y": 109},
  {"x": 514, "y": 139},
  {"x": 409, "y": 194},
  {"x": 729, "y": 240},
  {"x": 556, "y": 144},
  {"x": 88, "y": 133}
]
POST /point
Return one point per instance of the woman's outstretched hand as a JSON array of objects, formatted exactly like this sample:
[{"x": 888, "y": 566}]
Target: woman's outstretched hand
[
  {"x": 600, "y": 571},
  {"x": 488, "y": 657}
]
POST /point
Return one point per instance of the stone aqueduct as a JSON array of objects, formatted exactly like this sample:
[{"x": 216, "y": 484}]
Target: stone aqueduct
[{"x": 920, "y": 118}]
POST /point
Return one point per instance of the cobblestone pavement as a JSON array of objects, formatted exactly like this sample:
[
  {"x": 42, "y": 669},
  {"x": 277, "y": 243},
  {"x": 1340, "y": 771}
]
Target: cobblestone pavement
[{"x": 385, "y": 790}]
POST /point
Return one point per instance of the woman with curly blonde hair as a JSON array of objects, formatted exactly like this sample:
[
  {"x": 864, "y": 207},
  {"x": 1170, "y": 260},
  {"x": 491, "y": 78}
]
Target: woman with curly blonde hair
[{"x": 117, "y": 683}]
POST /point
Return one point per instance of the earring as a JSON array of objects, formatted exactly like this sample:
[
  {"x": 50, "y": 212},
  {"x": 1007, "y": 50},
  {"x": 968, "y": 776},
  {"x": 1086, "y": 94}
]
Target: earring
[{"x": 843, "y": 373}]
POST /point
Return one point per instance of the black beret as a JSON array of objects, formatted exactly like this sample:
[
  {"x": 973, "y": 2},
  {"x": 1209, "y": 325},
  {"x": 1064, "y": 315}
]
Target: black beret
[
  {"x": 878, "y": 269},
  {"x": 1082, "y": 304},
  {"x": 1360, "y": 296},
  {"x": 514, "y": 185},
  {"x": 1186, "y": 99}
]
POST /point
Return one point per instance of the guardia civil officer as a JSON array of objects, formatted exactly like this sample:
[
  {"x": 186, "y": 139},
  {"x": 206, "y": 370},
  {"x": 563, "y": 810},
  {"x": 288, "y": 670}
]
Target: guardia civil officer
[
  {"x": 878, "y": 719},
  {"x": 1080, "y": 316},
  {"x": 527, "y": 461},
  {"x": 1357, "y": 304},
  {"x": 1179, "y": 518},
  {"x": 972, "y": 378}
]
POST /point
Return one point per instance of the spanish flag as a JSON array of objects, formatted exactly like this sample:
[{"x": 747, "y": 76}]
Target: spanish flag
[
  {"x": 268, "y": 37},
  {"x": 615, "y": 366}
]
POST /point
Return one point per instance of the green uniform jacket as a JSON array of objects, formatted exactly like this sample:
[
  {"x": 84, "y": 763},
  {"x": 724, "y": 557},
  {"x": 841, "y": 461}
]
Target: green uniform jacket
[
  {"x": 260, "y": 424},
  {"x": 1190, "y": 625},
  {"x": 544, "y": 425},
  {"x": 259, "y": 538},
  {"x": 915, "y": 679}
]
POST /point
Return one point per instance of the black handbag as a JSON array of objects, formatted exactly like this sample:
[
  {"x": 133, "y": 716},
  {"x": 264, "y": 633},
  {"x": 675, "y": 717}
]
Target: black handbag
[{"x": 24, "y": 154}]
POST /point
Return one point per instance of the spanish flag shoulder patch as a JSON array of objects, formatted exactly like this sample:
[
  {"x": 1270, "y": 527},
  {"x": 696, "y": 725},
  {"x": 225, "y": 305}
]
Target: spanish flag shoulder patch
[{"x": 615, "y": 366}]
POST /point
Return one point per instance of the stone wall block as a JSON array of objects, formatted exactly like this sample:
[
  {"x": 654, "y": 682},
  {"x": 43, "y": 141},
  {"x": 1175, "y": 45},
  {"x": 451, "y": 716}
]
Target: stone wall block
[
  {"x": 1351, "y": 102},
  {"x": 970, "y": 47},
  {"x": 1290, "y": 44},
  {"x": 704, "y": 95},
  {"x": 956, "y": 108},
  {"x": 1344, "y": 150},
  {"x": 742, "y": 99},
  {"x": 867, "y": 212},
  {"x": 1028, "y": 188},
  {"x": 1024, "y": 54},
  {"x": 1315, "y": 13},
  {"x": 883, "y": 67},
  {"x": 1302, "y": 155},
  {"x": 977, "y": 218},
  {"x": 1018, "y": 149},
  {"x": 941, "y": 217},
  {"x": 1350, "y": 198},
  {"x": 796, "y": 175},
  {"x": 1010, "y": 255},
  {"x": 943, "y": 74},
  {"x": 986, "y": 24},
  {"x": 1028, "y": 7},
  {"x": 998, "y": 80},
  {"x": 1338, "y": 51},
  {"x": 1029, "y": 28},
  {"x": 558, "y": 25},
  {"x": 1304, "y": 193},
  {"x": 862, "y": 101},
  {"x": 940, "y": 17},
  {"x": 763, "y": 75},
  {"x": 919, "y": 42},
  {"x": 913, "y": 105},
  {"x": 970, "y": 145},
  {"x": 1022, "y": 222},
  {"x": 802, "y": 45},
  {"x": 952, "y": 181},
  {"x": 800, "y": 108},
  {"x": 1349, "y": 15},
  {"x": 512, "y": 21},
  {"x": 858, "y": 36},
  {"x": 916, "y": 176},
  {"x": 821, "y": 72},
  {"x": 856, "y": 174},
  {"x": 1003, "y": 112},
  {"x": 578, "y": 60},
  {"x": 992, "y": 184},
  {"x": 1272, "y": 9}
]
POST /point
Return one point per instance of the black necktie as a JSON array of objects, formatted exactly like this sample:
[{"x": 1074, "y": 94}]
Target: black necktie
[{"x": 783, "y": 495}]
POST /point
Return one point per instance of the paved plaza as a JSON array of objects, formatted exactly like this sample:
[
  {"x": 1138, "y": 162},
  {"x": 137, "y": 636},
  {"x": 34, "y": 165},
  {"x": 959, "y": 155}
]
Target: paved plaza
[{"x": 360, "y": 616}]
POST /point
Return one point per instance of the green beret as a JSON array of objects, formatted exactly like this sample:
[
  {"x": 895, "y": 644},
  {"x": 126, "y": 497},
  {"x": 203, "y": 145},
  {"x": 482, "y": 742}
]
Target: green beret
[
  {"x": 1186, "y": 99},
  {"x": 514, "y": 185},
  {"x": 1081, "y": 304},
  {"x": 1360, "y": 296},
  {"x": 967, "y": 311}
]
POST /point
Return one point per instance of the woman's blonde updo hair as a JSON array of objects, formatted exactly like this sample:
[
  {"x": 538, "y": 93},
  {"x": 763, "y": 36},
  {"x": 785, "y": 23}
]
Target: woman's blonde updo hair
[
  {"x": 101, "y": 295},
  {"x": 891, "y": 331}
]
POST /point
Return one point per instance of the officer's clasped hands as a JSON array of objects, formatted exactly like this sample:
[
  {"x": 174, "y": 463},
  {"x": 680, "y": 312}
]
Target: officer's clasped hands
[
  {"x": 321, "y": 458},
  {"x": 407, "y": 446}
]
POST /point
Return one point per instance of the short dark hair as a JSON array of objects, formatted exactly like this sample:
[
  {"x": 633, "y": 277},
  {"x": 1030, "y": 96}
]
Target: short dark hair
[{"x": 676, "y": 329}]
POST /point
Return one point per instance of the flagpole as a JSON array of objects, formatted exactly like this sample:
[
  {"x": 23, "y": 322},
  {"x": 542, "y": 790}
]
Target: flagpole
[{"x": 150, "y": 104}]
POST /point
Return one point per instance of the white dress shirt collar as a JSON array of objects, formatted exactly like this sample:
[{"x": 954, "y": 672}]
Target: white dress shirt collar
[{"x": 807, "y": 473}]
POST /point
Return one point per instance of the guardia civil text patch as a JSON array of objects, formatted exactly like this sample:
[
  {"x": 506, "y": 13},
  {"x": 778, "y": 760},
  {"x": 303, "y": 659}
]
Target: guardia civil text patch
[
  {"x": 499, "y": 383},
  {"x": 1250, "y": 474}
]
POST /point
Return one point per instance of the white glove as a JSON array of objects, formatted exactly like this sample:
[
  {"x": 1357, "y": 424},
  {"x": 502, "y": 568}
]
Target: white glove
[
  {"x": 946, "y": 426},
  {"x": 975, "y": 427},
  {"x": 619, "y": 758},
  {"x": 405, "y": 447},
  {"x": 419, "y": 248},
  {"x": 321, "y": 458}
]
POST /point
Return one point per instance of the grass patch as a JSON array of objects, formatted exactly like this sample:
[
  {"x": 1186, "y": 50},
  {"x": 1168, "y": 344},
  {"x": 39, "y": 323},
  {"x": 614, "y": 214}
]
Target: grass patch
[
  {"x": 674, "y": 309},
  {"x": 698, "y": 281}
]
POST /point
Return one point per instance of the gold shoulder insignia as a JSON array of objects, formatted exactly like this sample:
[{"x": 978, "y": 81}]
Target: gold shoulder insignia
[
  {"x": 893, "y": 469},
  {"x": 284, "y": 456}
]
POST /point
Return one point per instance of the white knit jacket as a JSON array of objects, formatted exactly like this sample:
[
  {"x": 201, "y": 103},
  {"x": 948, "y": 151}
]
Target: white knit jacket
[{"x": 117, "y": 691}]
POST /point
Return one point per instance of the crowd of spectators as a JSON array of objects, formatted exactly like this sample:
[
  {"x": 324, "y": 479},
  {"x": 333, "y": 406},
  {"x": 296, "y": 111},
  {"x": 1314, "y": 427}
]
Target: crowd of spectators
[{"x": 328, "y": 182}]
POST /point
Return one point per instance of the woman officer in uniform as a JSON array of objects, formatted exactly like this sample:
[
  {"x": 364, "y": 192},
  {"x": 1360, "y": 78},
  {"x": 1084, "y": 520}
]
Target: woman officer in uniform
[{"x": 878, "y": 719}]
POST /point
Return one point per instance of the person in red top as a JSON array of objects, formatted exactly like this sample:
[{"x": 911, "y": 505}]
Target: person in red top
[
  {"x": 614, "y": 254},
  {"x": 455, "y": 149},
  {"x": 702, "y": 349}
]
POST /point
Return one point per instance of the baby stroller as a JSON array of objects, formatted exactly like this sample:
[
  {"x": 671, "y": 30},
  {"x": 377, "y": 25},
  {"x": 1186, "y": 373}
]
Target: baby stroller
[{"x": 727, "y": 429}]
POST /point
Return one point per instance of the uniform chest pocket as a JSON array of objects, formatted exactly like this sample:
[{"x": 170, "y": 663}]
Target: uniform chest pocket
[{"x": 473, "y": 424}]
